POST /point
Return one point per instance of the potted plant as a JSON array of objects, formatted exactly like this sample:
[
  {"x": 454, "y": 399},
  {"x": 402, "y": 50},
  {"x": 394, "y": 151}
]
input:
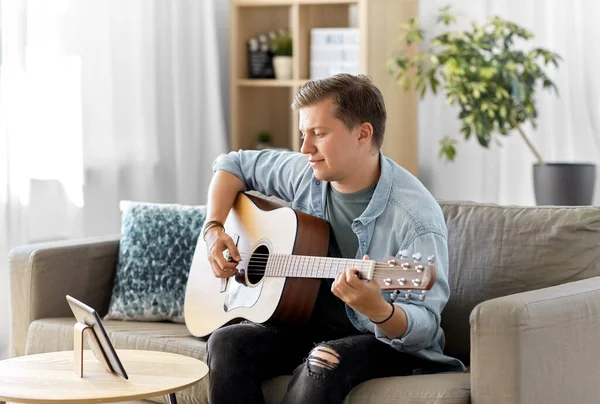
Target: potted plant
[
  {"x": 263, "y": 139},
  {"x": 282, "y": 59},
  {"x": 493, "y": 82}
]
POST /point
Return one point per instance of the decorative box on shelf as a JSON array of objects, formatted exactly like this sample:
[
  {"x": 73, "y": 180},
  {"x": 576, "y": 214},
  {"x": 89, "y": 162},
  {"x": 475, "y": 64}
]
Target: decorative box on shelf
[
  {"x": 260, "y": 58},
  {"x": 333, "y": 51}
]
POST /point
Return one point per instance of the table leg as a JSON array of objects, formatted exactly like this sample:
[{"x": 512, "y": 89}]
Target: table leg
[{"x": 172, "y": 399}]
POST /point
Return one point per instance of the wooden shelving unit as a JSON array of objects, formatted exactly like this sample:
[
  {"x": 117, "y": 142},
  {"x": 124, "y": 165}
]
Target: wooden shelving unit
[{"x": 258, "y": 104}]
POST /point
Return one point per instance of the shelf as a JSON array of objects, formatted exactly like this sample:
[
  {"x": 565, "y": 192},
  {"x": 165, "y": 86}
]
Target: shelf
[
  {"x": 269, "y": 83},
  {"x": 264, "y": 3},
  {"x": 271, "y": 3},
  {"x": 325, "y": 2}
]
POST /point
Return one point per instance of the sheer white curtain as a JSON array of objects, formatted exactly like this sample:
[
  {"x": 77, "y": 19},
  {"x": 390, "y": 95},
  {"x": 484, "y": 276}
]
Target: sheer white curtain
[
  {"x": 103, "y": 100},
  {"x": 568, "y": 125}
]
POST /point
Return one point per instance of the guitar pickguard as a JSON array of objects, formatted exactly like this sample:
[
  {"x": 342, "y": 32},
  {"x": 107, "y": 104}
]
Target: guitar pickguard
[{"x": 239, "y": 295}]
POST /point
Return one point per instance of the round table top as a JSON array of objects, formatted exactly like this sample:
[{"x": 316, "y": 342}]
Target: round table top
[{"x": 50, "y": 377}]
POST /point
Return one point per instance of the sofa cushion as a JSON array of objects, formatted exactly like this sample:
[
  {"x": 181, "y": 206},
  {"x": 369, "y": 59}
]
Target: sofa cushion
[
  {"x": 500, "y": 250},
  {"x": 56, "y": 334},
  {"x": 155, "y": 253}
]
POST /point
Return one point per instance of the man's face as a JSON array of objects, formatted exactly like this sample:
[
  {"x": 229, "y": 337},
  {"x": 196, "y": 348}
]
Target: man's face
[{"x": 330, "y": 146}]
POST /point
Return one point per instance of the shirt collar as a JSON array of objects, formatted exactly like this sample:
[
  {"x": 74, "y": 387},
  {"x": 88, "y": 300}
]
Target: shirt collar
[{"x": 382, "y": 192}]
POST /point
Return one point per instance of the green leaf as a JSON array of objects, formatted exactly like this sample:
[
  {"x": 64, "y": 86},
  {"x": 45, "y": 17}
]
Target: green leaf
[
  {"x": 448, "y": 152},
  {"x": 530, "y": 110},
  {"x": 423, "y": 91},
  {"x": 414, "y": 36},
  {"x": 433, "y": 82},
  {"x": 503, "y": 112},
  {"x": 487, "y": 72},
  {"x": 466, "y": 131},
  {"x": 448, "y": 149}
]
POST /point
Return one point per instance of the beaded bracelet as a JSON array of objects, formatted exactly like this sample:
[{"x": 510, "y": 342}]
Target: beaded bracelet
[
  {"x": 390, "y": 316},
  {"x": 210, "y": 225}
]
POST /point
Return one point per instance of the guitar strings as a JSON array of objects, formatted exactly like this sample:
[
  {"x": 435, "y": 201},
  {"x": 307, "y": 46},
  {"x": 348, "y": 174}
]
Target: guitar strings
[
  {"x": 375, "y": 276},
  {"x": 257, "y": 265},
  {"x": 264, "y": 258},
  {"x": 260, "y": 269},
  {"x": 257, "y": 270},
  {"x": 261, "y": 257}
]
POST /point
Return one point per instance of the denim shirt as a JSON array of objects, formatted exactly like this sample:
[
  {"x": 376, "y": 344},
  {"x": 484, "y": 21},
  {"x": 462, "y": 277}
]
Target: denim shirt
[{"x": 402, "y": 215}]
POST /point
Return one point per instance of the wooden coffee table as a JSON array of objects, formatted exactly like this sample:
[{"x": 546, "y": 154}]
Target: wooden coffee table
[{"x": 50, "y": 377}]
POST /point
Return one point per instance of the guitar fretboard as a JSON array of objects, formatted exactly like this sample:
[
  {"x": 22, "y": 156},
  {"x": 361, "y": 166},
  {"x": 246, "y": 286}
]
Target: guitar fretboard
[{"x": 300, "y": 266}]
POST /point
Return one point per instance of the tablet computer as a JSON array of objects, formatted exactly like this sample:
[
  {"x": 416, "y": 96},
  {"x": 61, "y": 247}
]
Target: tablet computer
[{"x": 104, "y": 350}]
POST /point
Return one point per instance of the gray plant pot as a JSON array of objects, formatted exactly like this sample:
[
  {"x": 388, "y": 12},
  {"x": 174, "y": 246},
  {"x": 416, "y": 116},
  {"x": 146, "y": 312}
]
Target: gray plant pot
[{"x": 568, "y": 184}]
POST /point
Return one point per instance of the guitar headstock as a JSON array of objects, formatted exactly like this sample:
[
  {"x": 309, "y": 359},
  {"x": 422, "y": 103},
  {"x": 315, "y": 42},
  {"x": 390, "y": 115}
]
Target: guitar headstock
[{"x": 402, "y": 273}]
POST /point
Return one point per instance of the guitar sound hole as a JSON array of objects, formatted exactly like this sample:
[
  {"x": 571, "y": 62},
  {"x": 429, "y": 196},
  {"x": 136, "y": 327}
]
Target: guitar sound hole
[{"x": 257, "y": 264}]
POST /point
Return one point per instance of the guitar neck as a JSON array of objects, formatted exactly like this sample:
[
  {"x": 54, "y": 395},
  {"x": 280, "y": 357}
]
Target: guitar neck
[{"x": 299, "y": 266}]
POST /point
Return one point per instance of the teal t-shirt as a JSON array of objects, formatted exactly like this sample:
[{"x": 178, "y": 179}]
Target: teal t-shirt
[{"x": 340, "y": 211}]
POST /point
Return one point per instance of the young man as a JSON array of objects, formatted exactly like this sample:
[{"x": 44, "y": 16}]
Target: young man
[{"x": 376, "y": 209}]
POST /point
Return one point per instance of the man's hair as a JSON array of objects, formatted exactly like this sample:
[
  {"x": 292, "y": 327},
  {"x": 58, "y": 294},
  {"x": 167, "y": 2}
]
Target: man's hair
[{"x": 356, "y": 98}]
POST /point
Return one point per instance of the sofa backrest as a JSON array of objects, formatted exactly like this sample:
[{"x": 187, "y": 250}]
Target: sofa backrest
[{"x": 500, "y": 250}]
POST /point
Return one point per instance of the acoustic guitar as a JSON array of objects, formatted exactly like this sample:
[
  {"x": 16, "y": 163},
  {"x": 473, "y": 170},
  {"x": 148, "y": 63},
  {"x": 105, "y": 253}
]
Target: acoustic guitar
[{"x": 283, "y": 255}]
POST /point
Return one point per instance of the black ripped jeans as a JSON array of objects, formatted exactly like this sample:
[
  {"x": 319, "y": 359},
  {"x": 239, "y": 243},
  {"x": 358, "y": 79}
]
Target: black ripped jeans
[{"x": 242, "y": 356}]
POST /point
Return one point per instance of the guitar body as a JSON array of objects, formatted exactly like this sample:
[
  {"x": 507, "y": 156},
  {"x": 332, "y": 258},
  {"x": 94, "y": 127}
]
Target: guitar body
[{"x": 263, "y": 229}]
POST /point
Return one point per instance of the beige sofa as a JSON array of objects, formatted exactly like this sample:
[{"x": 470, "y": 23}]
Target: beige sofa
[{"x": 524, "y": 311}]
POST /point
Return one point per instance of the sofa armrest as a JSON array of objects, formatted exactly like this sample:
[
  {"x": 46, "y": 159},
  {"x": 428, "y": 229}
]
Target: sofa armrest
[
  {"x": 540, "y": 346},
  {"x": 42, "y": 274}
]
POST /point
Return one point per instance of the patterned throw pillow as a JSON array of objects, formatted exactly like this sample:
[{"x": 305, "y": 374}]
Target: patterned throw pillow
[{"x": 155, "y": 253}]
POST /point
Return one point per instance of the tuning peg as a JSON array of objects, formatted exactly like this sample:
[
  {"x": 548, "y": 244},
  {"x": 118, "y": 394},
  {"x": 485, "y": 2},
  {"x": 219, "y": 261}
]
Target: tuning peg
[
  {"x": 417, "y": 257},
  {"x": 422, "y": 295},
  {"x": 431, "y": 259},
  {"x": 403, "y": 254},
  {"x": 407, "y": 294},
  {"x": 394, "y": 295}
]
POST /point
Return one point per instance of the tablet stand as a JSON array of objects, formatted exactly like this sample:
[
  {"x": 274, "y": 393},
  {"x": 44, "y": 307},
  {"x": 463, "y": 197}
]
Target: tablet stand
[{"x": 79, "y": 332}]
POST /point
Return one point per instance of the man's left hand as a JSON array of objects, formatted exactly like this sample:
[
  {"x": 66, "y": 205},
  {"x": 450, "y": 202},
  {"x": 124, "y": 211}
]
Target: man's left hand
[{"x": 363, "y": 296}]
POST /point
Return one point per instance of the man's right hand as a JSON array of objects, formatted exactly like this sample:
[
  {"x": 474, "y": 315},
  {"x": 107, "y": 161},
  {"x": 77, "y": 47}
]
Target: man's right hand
[{"x": 217, "y": 241}]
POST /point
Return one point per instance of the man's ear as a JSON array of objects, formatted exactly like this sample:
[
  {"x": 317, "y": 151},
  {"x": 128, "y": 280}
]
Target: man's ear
[{"x": 365, "y": 133}]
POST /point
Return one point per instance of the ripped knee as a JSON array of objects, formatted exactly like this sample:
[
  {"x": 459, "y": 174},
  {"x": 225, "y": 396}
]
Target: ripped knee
[{"x": 322, "y": 360}]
